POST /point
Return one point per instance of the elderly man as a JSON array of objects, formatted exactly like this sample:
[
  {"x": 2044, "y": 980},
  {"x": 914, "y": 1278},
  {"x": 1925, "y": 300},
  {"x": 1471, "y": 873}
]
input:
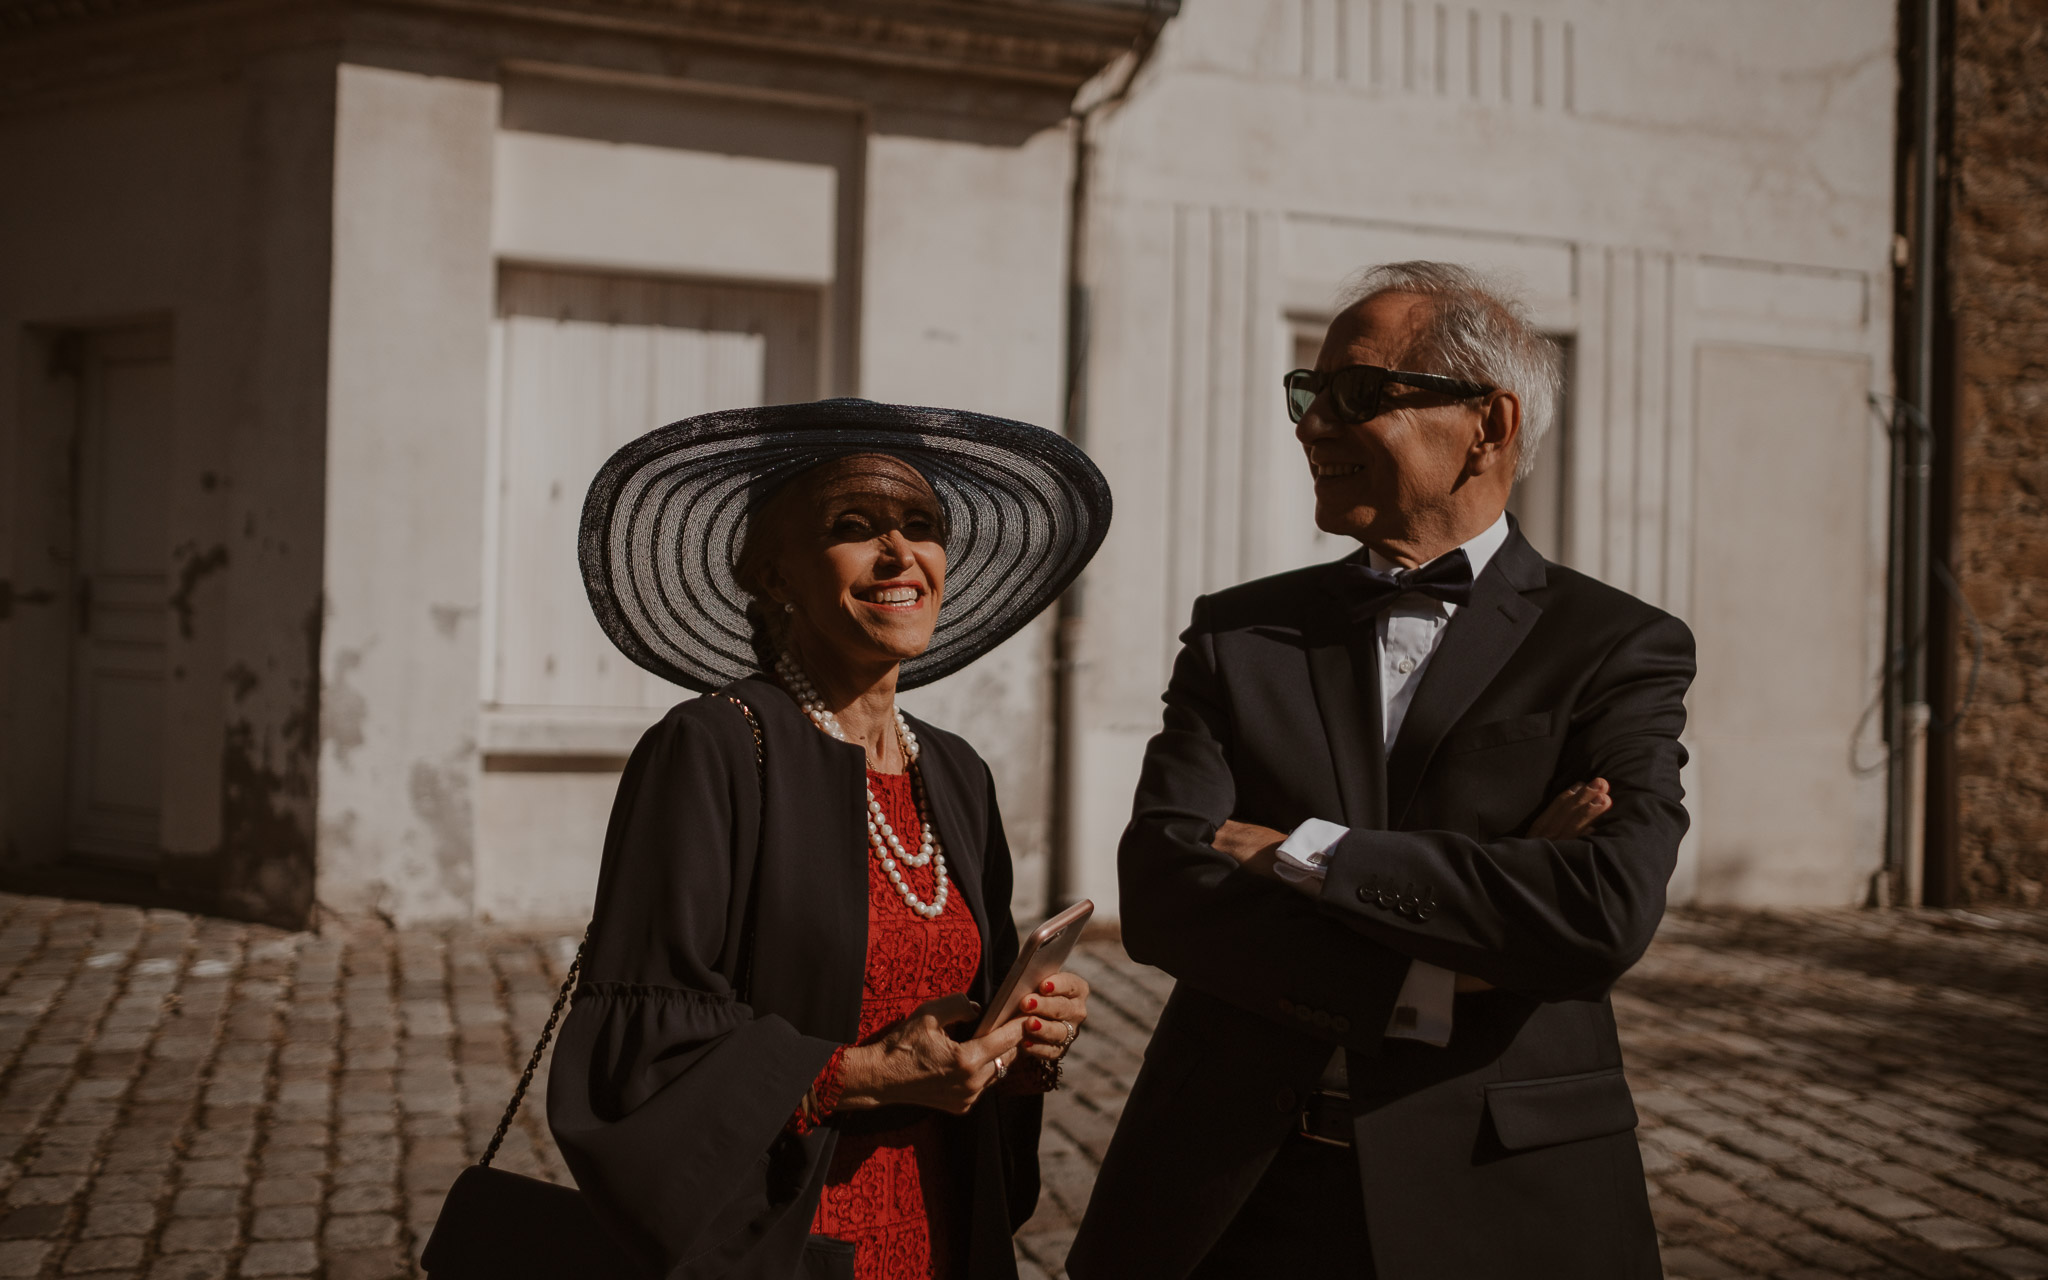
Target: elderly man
[{"x": 1390, "y": 1052}]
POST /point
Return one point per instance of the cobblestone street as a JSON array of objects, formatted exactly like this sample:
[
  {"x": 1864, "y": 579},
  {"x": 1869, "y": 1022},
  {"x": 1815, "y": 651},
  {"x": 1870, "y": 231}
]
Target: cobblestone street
[{"x": 1827, "y": 1094}]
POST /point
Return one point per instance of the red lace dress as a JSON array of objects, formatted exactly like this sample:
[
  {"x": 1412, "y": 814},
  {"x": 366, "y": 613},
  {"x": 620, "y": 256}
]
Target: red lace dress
[{"x": 889, "y": 1192}]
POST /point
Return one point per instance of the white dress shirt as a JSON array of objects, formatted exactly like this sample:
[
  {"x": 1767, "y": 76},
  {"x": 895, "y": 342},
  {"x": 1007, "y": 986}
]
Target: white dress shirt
[{"x": 1407, "y": 633}]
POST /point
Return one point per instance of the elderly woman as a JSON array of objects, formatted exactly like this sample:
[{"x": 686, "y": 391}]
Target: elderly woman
[{"x": 805, "y": 892}]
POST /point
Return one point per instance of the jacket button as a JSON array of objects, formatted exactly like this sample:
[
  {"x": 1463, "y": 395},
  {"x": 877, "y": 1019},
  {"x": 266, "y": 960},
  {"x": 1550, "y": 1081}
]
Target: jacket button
[
  {"x": 1363, "y": 896},
  {"x": 1286, "y": 1005},
  {"x": 1340, "y": 1025}
]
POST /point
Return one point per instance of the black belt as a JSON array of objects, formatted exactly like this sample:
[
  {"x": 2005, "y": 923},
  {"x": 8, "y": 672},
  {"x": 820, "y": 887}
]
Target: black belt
[{"x": 1326, "y": 1118}]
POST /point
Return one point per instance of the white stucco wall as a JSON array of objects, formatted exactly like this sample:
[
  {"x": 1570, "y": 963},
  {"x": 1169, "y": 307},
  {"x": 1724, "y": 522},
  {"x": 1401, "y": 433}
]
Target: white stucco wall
[
  {"x": 1670, "y": 181},
  {"x": 631, "y": 207},
  {"x": 408, "y": 374},
  {"x": 964, "y": 306},
  {"x": 961, "y": 254}
]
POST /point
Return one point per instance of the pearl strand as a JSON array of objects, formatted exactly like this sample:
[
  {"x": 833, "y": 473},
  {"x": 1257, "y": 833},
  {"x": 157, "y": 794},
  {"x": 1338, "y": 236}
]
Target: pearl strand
[{"x": 882, "y": 837}]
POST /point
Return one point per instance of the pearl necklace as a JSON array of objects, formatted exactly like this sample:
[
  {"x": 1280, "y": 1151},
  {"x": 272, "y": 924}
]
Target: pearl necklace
[{"x": 882, "y": 837}]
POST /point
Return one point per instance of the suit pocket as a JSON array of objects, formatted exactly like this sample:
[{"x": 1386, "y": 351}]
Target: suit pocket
[
  {"x": 1543, "y": 1113},
  {"x": 827, "y": 1258},
  {"x": 1498, "y": 733}
]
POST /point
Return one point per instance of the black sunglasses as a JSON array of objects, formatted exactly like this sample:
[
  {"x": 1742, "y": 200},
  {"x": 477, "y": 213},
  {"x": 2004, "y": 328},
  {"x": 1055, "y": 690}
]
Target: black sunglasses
[{"x": 1355, "y": 390}]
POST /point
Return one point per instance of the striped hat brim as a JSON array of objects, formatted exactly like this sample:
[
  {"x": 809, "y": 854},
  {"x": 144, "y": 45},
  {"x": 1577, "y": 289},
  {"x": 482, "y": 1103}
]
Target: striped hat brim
[{"x": 667, "y": 514}]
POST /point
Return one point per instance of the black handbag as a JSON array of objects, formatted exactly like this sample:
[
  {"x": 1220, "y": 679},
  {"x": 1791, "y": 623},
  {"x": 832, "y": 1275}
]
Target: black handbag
[{"x": 496, "y": 1225}]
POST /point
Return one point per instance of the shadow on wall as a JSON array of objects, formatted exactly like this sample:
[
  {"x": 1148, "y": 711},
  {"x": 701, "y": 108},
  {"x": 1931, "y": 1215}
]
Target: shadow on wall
[{"x": 1725, "y": 876}]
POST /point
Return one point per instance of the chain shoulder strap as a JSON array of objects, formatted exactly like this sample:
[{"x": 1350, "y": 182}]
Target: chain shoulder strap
[
  {"x": 547, "y": 1032},
  {"x": 540, "y": 1047}
]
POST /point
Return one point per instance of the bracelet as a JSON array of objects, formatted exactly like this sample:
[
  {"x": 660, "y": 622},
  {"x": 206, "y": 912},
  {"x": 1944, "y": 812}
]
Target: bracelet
[
  {"x": 820, "y": 1099},
  {"x": 1051, "y": 1070}
]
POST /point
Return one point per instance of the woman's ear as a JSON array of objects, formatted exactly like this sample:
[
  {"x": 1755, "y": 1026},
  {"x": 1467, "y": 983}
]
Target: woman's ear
[{"x": 770, "y": 581}]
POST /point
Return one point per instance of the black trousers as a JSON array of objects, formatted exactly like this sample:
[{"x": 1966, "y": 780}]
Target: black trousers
[{"x": 1305, "y": 1218}]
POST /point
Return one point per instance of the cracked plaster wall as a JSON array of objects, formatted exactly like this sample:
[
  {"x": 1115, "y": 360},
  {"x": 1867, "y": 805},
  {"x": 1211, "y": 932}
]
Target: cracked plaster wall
[
  {"x": 408, "y": 358},
  {"x": 231, "y": 262}
]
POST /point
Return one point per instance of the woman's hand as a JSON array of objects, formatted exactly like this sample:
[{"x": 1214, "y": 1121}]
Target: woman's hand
[
  {"x": 916, "y": 1063},
  {"x": 1053, "y": 1015},
  {"x": 1574, "y": 811}
]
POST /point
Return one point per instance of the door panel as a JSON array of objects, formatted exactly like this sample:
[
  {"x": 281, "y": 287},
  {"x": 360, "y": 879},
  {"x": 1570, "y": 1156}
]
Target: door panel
[{"x": 121, "y": 582}]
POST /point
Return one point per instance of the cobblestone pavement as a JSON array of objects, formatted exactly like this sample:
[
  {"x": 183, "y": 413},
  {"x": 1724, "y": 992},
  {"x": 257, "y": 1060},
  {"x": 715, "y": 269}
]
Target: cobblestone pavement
[{"x": 1828, "y": 1094}]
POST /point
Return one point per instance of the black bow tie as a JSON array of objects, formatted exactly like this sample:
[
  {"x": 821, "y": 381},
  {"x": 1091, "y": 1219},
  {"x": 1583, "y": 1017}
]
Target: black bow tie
[{"x": 1366, "y": 591}]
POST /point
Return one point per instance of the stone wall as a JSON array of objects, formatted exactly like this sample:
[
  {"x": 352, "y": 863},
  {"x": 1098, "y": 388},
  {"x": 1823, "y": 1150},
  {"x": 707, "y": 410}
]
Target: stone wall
[{"x": 1999, "y": 295}]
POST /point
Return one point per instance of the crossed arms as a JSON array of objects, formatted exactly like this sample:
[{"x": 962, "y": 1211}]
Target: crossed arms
[{"x": 1551, "y": 918}]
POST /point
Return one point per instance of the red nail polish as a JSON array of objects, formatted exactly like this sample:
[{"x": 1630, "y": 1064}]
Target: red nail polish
[
  {"x": 1030, "y": 1002},
  {"x": 1047, "y": 988},
  {"x": 1036, "y": 1025}
]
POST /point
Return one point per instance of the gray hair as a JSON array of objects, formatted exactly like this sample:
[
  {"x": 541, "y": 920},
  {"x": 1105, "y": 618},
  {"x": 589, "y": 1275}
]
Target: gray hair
[{"x": 1478, "y": 329}]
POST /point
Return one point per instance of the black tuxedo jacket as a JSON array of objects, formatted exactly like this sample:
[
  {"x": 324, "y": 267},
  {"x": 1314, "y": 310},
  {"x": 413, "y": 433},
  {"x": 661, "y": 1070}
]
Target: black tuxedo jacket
[{"x": 1510, "y": 1152}]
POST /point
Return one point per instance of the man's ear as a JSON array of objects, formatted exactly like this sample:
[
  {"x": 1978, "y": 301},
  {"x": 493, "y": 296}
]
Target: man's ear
[{"x": 1500, "y": 433}]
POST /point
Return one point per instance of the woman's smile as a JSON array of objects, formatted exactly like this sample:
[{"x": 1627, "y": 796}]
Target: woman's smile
[{"x": 900, "y": 595}]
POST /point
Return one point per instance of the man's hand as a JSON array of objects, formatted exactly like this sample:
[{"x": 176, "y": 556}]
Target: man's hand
[
  {"x": 1256, "y": 848},
  {"x": 1572, "y": 814}
]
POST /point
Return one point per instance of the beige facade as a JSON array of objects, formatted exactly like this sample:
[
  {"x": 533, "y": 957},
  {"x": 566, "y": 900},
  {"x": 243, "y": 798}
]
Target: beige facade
[
  {"x": 1698, "y": 201},
  {"x": 341, "y": 307}
]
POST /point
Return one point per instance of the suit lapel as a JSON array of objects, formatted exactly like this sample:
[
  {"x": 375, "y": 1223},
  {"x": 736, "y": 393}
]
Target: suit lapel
[
  {"x": 1477, "y": 643},
  {"x": 1344, "y": 668}
]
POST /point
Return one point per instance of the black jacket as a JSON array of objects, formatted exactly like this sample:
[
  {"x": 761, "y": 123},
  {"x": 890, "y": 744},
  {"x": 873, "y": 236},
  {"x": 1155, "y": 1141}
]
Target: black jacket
[
  {"x": 670, "y": 1086},
  {"x": 1508, "y": 1153}
]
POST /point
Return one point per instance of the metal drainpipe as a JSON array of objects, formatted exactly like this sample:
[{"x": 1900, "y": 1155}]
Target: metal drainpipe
[
  {"x": 1062, "y": 871},
  {"x": 1913, "y": 444}
]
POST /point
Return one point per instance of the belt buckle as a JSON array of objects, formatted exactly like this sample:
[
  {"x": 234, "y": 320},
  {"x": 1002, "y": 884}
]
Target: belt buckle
[{"x": 1317, "y": 1097}]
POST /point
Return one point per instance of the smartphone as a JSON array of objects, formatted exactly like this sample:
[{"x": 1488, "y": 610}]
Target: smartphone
[{"x": 1044, "y": 953}]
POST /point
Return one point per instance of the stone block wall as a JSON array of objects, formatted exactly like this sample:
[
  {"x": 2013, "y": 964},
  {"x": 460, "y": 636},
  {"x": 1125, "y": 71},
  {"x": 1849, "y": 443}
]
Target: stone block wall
[{"x": 1998, "y": 176}]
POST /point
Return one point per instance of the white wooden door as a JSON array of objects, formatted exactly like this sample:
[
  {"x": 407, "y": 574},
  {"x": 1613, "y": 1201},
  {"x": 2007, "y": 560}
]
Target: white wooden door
[
  {"x": 121, "y": 582},
  {"x": 587, "y": 363}
]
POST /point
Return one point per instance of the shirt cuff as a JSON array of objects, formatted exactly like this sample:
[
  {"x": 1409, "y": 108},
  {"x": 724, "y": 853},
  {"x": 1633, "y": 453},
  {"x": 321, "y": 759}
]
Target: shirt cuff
[
  {"x": 1305, "y": 855},
  {"x": 1423, "y": 1009}
]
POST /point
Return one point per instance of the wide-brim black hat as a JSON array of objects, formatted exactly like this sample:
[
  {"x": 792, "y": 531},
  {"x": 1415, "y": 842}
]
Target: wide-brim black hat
[{"x": 666, "y": 516}]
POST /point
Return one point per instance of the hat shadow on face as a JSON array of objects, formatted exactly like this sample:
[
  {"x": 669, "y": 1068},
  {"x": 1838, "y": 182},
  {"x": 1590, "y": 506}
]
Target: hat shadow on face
[{"x": 803, "y": 502}]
